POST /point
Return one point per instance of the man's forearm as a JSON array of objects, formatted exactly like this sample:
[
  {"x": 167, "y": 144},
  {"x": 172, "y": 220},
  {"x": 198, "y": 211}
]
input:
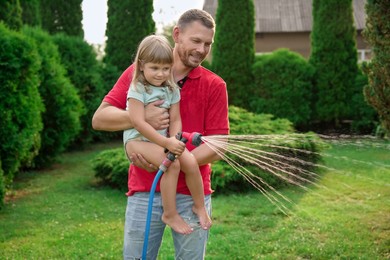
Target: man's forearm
[
  {"x": 110, "y": 118},
  {"x": 204, "y": 155}
]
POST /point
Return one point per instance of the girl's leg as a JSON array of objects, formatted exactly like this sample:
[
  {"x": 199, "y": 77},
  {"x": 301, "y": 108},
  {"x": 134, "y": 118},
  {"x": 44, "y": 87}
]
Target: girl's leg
[
  {"x": 194, "y": 183},
  {"x": 168, "y": 188},
  {"x": 155, "y": 155}
]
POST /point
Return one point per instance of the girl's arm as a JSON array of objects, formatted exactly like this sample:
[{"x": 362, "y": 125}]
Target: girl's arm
[{"x": 175, "y": 120}]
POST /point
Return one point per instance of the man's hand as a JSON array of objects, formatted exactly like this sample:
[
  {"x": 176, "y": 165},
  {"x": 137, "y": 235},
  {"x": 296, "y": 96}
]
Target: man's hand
[
  {"x": 156, "y": 116},
  {"x": 140, "y": 162}
]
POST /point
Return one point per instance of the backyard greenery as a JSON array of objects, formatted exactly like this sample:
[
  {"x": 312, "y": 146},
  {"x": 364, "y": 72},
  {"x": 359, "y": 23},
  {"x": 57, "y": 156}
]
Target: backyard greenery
[
  {"x": 128, "y": 23},
  {"x": 111, "y": 166},
  {"x": 235, "y": 66},
  {"x": 378, "y": 70},
  {"x": 333, "y": 56},
  {"x": 62, "y": 213}
]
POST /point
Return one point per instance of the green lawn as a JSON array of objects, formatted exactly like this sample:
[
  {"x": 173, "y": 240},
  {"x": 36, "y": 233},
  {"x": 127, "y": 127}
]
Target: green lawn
[{"x": 62, "y": 213}]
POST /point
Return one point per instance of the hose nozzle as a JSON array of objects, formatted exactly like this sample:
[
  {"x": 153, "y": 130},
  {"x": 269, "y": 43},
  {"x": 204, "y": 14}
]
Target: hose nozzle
[{"x": 194, "y": 138}]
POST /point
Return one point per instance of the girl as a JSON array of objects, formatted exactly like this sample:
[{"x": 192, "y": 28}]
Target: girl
[{"x": 153, "y": 80}]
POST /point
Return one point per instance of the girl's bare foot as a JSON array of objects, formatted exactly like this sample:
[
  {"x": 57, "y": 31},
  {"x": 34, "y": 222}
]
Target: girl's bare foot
[
  {"x": 204, "y": 218},
  {"x": 177, "y": 224}
]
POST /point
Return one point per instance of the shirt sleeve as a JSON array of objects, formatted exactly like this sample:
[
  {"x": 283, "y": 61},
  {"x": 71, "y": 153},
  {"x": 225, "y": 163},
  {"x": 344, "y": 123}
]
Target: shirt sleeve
[
  {"x": 175, "y": 96},
  {"x": 136, "y": 93},
  {"x": 117, "y": 96},
  {"x": 217, "y": 116}
]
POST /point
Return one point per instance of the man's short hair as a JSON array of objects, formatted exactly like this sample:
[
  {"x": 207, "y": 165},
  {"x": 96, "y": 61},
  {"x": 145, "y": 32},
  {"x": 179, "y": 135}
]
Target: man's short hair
[{"x": 196, "y": 15}]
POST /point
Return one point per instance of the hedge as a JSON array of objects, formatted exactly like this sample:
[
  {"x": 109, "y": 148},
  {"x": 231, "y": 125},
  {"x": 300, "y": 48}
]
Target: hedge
[
  {"x": 83, "y": 70},
  {"x": 21, "y": 105},
  {"x": 63, "y": 105},
  {"x": 284, "y": 87}
]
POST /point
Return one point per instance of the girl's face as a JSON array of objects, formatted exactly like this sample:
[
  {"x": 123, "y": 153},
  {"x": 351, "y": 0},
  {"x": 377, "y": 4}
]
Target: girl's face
[{"x": 156, "y": 73}]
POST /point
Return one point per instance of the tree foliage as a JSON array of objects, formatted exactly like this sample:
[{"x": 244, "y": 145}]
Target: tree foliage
[
  {"x": 284, "y": 87},
  {"x": 377, "y": 33},
  {"x": 11, "y": 14},
  {"x": 83, "y": 70},
  {"x": 128, "y": 23},
  {"x": 233, "y": 52},
  {"x": 31, "y": 14},
  {"x": 62, "y": 16},
  {"x": 63, "y": 105},
  {"x": 21, "y": 106},
  {"x": 334, "y": 57}
]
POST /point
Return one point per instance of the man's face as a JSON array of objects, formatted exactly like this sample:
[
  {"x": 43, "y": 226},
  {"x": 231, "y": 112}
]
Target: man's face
[{"x": 193, "y": 43}]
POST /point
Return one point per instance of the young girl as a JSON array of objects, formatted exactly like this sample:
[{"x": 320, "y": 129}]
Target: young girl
[{"x": 153, "y": 80}]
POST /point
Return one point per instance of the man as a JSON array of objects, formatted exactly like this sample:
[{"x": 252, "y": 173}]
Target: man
[{"x": 203, "y": 108}]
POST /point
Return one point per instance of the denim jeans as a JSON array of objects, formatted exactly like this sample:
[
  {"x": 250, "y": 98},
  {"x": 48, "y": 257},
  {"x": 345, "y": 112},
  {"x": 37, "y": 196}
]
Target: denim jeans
[{"x": 187, "y": 247}]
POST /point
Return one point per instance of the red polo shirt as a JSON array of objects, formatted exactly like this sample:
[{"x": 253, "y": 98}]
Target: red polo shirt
[{"x": 203, "y": 108}]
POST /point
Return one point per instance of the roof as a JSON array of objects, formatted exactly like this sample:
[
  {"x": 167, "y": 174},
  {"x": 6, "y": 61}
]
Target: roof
[{"x": 288, "y": 15}]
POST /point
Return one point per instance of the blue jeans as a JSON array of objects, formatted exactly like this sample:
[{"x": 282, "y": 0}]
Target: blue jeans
[{"x": 187, "y": 247}]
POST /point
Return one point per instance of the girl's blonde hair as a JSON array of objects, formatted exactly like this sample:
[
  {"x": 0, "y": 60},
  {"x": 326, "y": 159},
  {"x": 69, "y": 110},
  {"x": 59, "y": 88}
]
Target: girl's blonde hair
[{"x": 155, "y": 49}]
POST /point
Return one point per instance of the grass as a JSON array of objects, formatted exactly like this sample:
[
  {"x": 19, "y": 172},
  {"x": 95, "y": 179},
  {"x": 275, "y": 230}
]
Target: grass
[{"x": 62, "y": 213}]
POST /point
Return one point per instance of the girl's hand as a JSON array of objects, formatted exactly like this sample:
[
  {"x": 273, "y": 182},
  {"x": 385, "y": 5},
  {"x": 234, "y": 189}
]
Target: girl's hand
[{"x": 175, "y": 146}]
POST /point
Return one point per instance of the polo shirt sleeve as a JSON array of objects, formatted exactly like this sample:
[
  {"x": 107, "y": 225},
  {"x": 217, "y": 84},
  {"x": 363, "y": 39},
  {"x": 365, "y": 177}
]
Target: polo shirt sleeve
[
  {"x": 217, "y": 115},
  {"x": 117, "y": 96}
]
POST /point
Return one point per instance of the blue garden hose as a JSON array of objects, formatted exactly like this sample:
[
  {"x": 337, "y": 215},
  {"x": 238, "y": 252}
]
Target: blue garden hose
[
  {"x": 170, "y": 157},
  {"x": 184, "y": 137}
]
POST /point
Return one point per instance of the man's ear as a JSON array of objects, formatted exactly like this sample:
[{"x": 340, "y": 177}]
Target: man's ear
[{"x": 175, "y": 34}]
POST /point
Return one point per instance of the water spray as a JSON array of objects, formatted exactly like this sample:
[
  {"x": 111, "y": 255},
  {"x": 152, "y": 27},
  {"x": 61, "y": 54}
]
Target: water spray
[{"x": 195, "y": 139}]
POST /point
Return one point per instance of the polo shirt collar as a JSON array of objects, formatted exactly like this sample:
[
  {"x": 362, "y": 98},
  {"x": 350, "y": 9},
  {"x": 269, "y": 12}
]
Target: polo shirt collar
[{"x": 195, "y": 73}]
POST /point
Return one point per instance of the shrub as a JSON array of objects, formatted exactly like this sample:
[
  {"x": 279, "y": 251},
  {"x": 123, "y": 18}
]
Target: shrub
[
  {"x": 123, "y": 38},
  {"x": 365, "y": 118},
  {"x": 112, "y": 167},
  {"x": 377, "y": 35},
  {"x": 334, "y": 57},
  {"x": 21, "y": 105},
  {"x": 225, "y": 179},
  {"x": 79, "y": 60},
  {"x": 63, "y": 106},
  {"x": 2, "y": 187},
  {"x": 284, "y": 87},
  {"x": 234, "y": 51}
]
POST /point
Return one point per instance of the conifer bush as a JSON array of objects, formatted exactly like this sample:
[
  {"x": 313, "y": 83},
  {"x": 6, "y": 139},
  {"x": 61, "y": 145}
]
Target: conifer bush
[
  {"x": 21, "y": 105},
  {"x": 2, "y": 187},
  {"x": 283, "y": 87},
  {"x": 226, "y": 179},
  {"x": 377, "y": 33},
  {"x": 334, "y": 57},
  {"x": 233, "y": 52},
  {"x": 64, "y": 108},
  {"x": 128, "y": 23},
  {"x": 83, "y": 70}
]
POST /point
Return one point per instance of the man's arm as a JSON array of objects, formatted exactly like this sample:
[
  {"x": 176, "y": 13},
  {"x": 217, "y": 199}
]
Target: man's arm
[
  {"x": 205, "y": 155},
  {"x": 110, "y": 118}
]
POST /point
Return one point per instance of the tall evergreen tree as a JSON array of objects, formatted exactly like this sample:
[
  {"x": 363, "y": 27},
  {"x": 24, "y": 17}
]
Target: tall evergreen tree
[
  {"x": 62, "y": 16},
  {"x": 233, "y": 52},
  {"x": 11, "y": 14},
  {"x": 128, "y": 23},
  {"x": 31, "y": 13},
  {"x": 334, "y": 57},
  {"x": 377, "y": 33}
]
